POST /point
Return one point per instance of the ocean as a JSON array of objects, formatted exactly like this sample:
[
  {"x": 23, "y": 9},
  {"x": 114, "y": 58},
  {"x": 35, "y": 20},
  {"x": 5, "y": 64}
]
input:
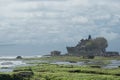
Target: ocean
[{"x": 14, "y": 57}]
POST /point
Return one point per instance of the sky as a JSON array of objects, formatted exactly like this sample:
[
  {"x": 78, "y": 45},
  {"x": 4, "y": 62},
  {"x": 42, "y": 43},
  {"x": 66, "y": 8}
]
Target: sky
[{"x": 37, "y": 27}]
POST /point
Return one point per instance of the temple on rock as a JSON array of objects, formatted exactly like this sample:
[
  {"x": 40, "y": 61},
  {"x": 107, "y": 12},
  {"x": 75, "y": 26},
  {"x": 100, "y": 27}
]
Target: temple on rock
[{"x": 90, "y": 47}]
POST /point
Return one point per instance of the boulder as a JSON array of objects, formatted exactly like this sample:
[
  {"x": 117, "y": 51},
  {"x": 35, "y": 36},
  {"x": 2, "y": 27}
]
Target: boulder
[{"x": 19, "y": 57}]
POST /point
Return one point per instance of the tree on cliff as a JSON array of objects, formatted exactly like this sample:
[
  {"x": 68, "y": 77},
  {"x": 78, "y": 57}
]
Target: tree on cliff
[
  {"x": 98, "y": 43},
  {"x": 101, "y": 43}
]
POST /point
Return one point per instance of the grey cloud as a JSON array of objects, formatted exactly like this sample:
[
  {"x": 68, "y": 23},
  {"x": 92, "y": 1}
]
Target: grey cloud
[
  {"x": 41, "y": 0},
  {"x": 63, "y": 23}
]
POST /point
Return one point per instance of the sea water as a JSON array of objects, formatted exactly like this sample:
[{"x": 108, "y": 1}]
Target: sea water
[{"x": 8, "y": 63}]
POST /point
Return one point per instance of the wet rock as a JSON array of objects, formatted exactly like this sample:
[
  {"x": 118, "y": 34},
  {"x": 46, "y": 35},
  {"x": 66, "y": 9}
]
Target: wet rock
[
  {"x": 19, "y": 57},
  {"x": 95, "y": 66}
]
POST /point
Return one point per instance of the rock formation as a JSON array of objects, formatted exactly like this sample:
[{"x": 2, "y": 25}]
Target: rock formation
[{"x": 89, "y": 47}]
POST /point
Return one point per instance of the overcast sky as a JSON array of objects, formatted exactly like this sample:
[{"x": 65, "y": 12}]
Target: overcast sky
[{"x": 35, "y": 27}]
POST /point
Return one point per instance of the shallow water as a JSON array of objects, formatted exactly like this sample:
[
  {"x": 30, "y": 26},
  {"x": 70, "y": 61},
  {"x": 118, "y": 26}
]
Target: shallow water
[
  {"x": 113, "y": 64},
  {"x": 9, "y": 65},
  {"x": 69, "y": 63}
]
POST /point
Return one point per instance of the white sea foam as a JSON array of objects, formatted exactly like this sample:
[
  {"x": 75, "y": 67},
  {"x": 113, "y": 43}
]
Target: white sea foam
[
  {"x": 7, "y": 57},
  {"x": 14, "y": 57},
  {"x": 8, "y": 63}
]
